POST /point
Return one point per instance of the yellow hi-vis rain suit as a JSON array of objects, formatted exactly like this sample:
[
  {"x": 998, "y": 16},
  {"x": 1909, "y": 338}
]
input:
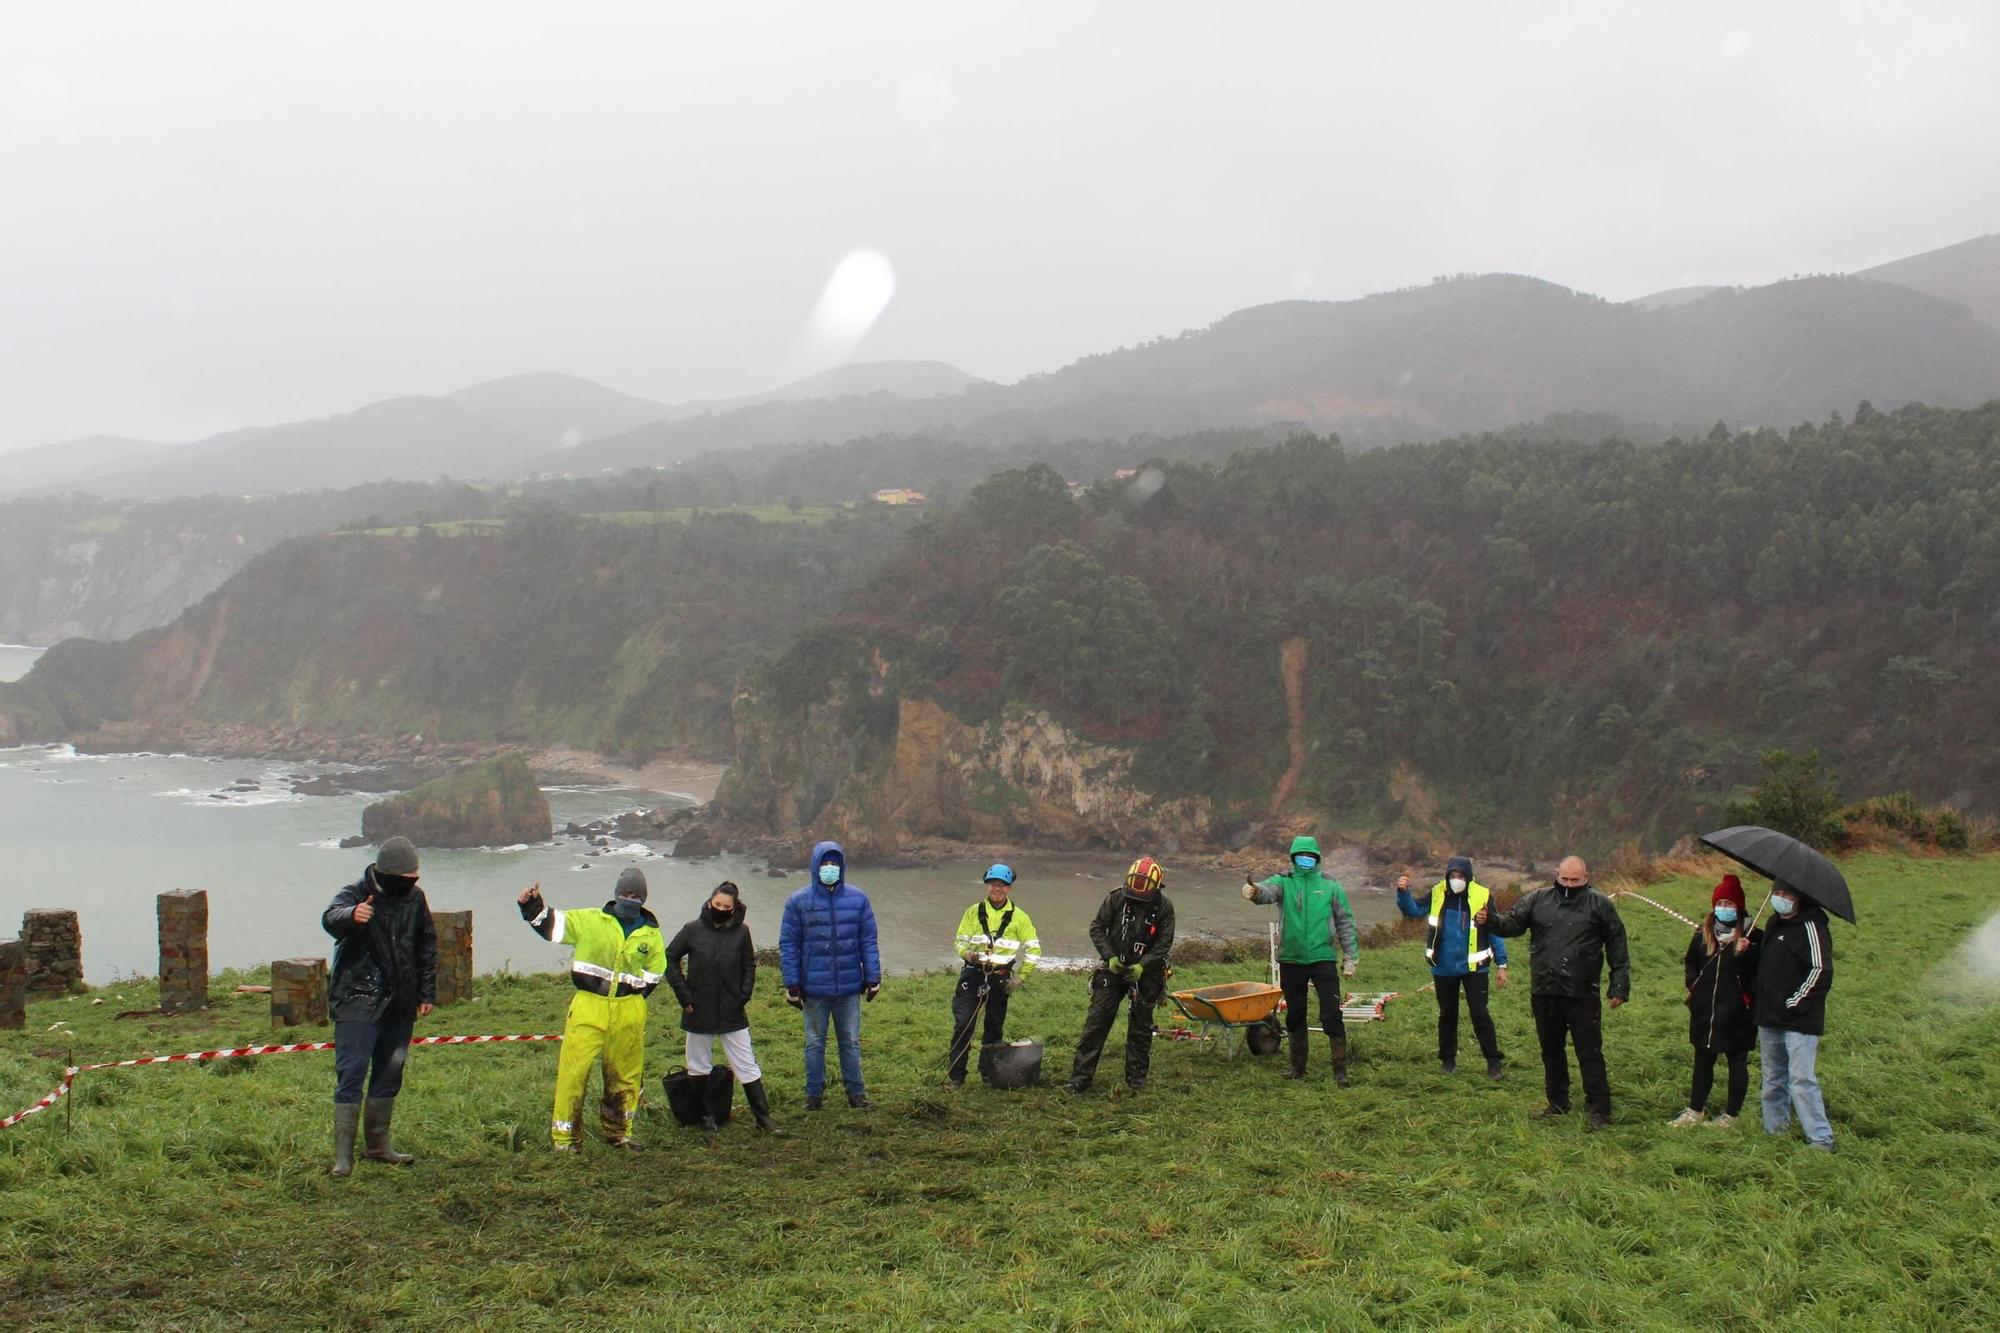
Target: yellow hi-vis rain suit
[{"x": 614, "y": 972}]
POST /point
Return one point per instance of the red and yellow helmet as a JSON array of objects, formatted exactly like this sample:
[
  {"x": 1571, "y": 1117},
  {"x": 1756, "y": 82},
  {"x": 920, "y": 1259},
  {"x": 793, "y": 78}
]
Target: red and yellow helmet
[{"x": 1145, "y": 877}]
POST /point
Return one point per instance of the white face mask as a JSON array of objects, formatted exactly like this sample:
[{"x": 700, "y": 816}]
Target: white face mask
[{"x": 1458, "y": 886}]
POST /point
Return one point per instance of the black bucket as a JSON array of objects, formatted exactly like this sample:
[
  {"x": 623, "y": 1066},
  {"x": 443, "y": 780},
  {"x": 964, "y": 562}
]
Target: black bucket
[{"x": 1014, "y": 1064}]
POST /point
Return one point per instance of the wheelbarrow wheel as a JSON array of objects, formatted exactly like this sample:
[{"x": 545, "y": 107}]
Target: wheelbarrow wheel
[{"x": 1264, "y": 1038}]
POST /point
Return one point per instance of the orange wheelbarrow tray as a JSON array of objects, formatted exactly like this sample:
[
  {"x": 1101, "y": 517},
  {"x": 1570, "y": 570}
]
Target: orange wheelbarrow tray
[{"x": 1248, "y": 1007}]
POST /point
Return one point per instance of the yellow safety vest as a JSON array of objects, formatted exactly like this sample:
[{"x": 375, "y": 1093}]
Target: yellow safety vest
[{"x": 1476, "y": 895}]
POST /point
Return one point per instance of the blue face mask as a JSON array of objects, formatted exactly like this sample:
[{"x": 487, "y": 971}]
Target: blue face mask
[
  {"x": 1305, "y": 860},
  {"x": 1782, "y": 905},
  {"x": 829, "y": 873},
  {"x": 1725, "y": 914}
]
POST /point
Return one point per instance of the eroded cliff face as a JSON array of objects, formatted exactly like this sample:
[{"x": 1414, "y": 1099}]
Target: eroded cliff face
[
  {"x": 1023, "y": 778},
  {"x": 93, "y": 588}
]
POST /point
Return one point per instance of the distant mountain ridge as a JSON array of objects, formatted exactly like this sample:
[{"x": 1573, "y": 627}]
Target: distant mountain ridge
[
  {"x": 1464, "y": 355},
  {"x": 70, "y": 463},
  {"x": 491, "y": 431},
  {"x": 1459, "y": 356},
  {"x": 1968, "y": 273}
]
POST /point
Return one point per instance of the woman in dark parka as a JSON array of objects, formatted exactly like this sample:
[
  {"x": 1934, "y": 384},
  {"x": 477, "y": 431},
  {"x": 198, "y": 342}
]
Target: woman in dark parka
[
  {"x": 712, "y": 966},
  {"x": 1721, "y": 1022}
]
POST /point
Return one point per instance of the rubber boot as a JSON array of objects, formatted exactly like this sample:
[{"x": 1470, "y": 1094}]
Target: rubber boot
[
  {"x": 760, "y": 1107},
  {"x": 1339, "y": 1045},
  {"x": 346, "y": 1119},
  {"x": 375, "y": 1128},
  {"x": 1297, "y": 1042}
]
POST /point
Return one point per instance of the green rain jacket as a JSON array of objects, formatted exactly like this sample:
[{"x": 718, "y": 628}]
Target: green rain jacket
[{"x": 1315, "y": 912}]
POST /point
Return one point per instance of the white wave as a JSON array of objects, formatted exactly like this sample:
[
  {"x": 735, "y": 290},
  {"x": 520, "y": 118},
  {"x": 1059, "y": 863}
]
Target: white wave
[
  {"x": 324, "y": 844},
  {"x": 510, "y": 847},
  {"x": 58, "y": 782},
  {"x": 637, "y": 850}
]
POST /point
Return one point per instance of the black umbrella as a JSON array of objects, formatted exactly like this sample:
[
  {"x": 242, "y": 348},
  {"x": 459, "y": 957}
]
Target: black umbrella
[{"x": 1780, "y": 856}]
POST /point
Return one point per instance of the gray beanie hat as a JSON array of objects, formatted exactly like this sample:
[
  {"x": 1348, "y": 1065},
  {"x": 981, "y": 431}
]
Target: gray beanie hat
[
  {"x": 631, "y": 884},
  {"x": 397, "y": 856}
]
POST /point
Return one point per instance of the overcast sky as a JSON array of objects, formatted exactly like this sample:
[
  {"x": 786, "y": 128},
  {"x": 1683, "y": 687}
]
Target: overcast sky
[{"x": 215, "y": 215}]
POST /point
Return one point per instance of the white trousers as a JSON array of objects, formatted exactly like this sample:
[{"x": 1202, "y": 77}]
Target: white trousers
[{"x": 736, "y": 1045}]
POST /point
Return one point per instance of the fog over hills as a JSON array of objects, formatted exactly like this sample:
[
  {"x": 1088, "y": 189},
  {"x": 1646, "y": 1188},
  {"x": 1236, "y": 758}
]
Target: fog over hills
[
  {"x": 70, "y": 462},
  {"x": 1466, "y": 354},
  {"x": 1968, "y": 273}
]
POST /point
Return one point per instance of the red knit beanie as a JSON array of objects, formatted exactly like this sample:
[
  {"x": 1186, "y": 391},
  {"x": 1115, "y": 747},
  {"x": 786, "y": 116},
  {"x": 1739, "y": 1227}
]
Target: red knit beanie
[{"x": 1729, "y": 890}]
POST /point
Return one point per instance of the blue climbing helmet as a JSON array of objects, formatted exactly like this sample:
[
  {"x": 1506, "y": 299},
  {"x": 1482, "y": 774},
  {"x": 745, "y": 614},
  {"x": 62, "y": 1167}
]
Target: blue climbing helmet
[{"x": 1003, "y": 873}]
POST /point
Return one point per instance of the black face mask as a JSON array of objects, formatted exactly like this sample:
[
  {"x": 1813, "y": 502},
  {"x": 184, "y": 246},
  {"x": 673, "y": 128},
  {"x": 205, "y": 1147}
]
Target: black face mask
[
  {"x": 395, "y": 885},
  {"x": 718, "y": 917}
]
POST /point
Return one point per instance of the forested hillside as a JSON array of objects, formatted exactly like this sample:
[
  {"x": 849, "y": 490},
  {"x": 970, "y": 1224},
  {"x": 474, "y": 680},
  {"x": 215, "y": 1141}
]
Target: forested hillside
[
  {"x": 1498, "y": 637},
  {"x": 77, "y": 565},
  {"x": 1492, "y": 638},
  {"x": 620, "y": 634}
]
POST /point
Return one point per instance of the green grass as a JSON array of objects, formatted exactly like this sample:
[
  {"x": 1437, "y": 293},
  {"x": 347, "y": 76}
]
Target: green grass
[{"x": 1223, "y": 1197}]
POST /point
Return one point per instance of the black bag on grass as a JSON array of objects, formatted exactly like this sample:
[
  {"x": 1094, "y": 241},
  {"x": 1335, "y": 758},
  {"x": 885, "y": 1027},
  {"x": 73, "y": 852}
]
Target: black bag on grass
[{"x": 690, "y": 1097}]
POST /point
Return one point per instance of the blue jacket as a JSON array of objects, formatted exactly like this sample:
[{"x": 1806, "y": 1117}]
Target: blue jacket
[
  {"x": 826, "y": 943},
  {"x": 1450, "y": 953}
]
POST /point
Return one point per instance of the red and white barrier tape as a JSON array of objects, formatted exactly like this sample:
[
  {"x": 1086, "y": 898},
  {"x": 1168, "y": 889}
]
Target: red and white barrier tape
[
  {"x": 1627, "y": 893},
  {"x": 69, "y": 1074},
  {"x": 42, "y": 1105}
]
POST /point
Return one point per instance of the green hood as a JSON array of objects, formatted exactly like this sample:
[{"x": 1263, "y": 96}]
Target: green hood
[{"x": 1302, "y": 843}]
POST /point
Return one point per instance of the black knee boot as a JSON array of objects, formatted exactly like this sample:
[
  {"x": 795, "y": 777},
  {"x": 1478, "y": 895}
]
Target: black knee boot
[
  {"x": 1297, "y": 1042},
  {"x": 1339, "y": 1046},
  {"x": 760, "y": 1107}
]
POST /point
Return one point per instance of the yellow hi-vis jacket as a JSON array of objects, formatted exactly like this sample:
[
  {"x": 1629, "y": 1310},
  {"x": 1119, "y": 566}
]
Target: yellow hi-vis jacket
[
  {"x": 607, "y": 962},
  {"x": 999, "y": 937}
]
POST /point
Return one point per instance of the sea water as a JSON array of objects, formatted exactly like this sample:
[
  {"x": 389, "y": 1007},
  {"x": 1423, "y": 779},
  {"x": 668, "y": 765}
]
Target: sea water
[{"x": 106, "y": 834}]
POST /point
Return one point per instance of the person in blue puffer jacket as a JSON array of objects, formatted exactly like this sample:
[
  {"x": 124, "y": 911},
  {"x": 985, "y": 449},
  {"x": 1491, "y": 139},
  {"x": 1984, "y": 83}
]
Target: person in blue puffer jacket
[
  {"x": 828, "y": 953},
  {"x": 1459, "y": 955}
]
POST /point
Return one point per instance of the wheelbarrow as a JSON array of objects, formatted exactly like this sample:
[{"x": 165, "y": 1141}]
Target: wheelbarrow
[{"x": 1245, "y": 1008}]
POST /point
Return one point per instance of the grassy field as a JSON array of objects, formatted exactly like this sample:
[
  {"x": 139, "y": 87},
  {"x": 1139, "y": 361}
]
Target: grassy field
[{"x": 1223, "y": 1197}]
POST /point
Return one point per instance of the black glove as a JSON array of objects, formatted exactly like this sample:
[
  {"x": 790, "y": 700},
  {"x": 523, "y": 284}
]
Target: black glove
[
  {"x": 793, "y": 998},
  {"x": 872, "y": 991}
]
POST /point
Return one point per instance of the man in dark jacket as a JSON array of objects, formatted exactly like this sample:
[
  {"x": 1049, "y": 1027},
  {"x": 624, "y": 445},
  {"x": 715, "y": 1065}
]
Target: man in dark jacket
[
  {"x": 1134, "y": 933},
  {"x": 1794, "y": 973},
  {"x": 828, "y": 952},
  {"x": 1573, "y": 930},
  {"x": 384, "y": 979}
]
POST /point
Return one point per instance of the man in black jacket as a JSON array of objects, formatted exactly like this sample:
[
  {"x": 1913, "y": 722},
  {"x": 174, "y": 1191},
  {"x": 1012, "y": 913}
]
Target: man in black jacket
[
  {"x": 1574, "y": 929},
  {"x": 1794, "y": 973},
  {"x": 384, "y": 979},
  {"x": 1133, "y": 932}
]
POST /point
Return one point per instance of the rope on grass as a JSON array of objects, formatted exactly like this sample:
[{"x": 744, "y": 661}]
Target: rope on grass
[
  {"x": 1629, "y": 893},
  {"x": 236, "y": 1052}
]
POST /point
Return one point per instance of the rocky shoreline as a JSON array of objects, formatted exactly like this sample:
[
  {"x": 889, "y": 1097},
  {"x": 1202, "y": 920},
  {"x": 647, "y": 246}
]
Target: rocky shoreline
[
  {"x": 397, "y": 763},
  {"x": 385, "y": 764}
]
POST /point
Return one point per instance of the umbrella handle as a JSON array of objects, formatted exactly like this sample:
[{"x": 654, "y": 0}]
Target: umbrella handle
[{"x": 1760, "y": 913}]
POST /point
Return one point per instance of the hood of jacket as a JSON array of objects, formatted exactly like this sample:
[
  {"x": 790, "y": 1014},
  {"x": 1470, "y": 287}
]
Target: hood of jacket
[
  {"x": 1460, "y": 865},
  {"x": 824, "y": 852},
  {"x": 1305, "y": 843},
  {"x": 736, "y": 915}
]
